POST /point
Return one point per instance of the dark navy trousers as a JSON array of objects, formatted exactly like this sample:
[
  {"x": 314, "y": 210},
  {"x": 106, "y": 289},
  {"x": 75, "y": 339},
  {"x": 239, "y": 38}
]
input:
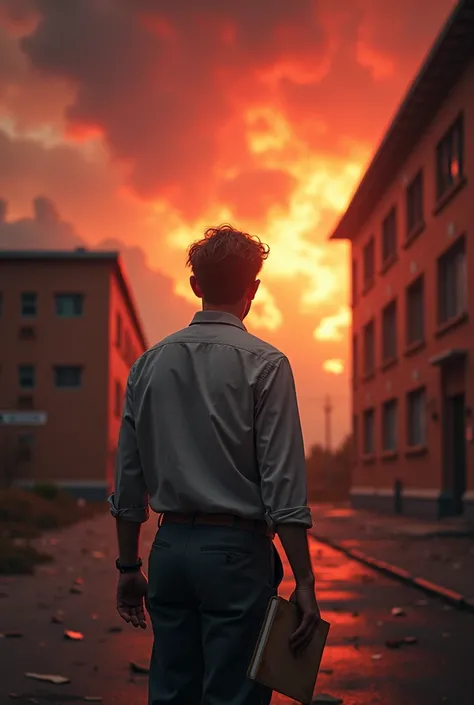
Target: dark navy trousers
[{"x": 209, "y": 587}]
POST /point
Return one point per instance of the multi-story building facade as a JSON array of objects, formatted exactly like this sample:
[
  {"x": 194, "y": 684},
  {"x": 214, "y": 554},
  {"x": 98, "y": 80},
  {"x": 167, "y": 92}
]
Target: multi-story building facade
[
  {"x": 69, "y": 333},
  {"x": 411, "y": 228}
]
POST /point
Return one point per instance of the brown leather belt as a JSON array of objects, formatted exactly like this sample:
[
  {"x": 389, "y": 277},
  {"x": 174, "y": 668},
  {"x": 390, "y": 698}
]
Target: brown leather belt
[{"x": 258, "y": 526}]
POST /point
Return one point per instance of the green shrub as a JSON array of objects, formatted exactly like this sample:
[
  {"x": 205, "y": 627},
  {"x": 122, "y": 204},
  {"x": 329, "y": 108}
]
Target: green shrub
[{"x": 47, "y": 491}]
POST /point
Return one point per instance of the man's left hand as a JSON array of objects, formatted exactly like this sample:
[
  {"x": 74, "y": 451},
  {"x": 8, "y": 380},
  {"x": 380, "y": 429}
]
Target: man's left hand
[{"x": 131, "y": 592}]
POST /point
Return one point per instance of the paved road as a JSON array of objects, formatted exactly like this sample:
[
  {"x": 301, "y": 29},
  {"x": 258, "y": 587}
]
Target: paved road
[{"x": 435, "y": 671}]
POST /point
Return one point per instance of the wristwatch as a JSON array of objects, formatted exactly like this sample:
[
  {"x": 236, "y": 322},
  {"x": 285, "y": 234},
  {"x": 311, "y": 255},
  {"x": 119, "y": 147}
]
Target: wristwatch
[{"x": 133, "y": 568}]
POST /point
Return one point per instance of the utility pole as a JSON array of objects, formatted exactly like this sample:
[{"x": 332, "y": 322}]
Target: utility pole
[
  {"x": 327, "y": 414},
  {"x": 327, "y": 427}
]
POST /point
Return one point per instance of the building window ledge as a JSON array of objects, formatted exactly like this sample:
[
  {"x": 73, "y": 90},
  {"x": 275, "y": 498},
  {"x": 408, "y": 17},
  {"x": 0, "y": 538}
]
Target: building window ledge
[
  {"x": 388, "y": 262},
  {"x": 451, "y": 323},
  {"x": 449, "y": 194},
  {"x": 368, "y": 376},
  {"x": 389, "y": 455},
  {"x": 389, "y": 363},
  {"x": 368, "y": 285},
  {"x": 415, "y": 231},
  {"x": 368, "y": 458},
  {"x": 415, "y": 451},
  {"x": 414, "y": 347}
]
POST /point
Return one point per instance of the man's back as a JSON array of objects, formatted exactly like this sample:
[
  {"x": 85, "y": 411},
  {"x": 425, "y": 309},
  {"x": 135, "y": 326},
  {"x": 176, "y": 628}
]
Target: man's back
[{"x": 196, "y": 398}]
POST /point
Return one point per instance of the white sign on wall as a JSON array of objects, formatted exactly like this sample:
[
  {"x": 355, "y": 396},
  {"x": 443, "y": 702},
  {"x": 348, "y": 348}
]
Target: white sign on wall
[{"x": 23, "y": 418}]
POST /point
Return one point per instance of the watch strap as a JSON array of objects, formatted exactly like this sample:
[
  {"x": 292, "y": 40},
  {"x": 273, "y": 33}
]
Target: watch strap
[{"x": 132, "y": 568}]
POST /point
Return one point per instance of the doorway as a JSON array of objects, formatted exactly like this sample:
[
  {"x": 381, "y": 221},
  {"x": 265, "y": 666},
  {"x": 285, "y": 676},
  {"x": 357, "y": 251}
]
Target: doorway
[{"x": 455, "y": 459}]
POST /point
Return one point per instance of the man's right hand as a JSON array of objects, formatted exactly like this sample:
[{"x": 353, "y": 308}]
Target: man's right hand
[{"x": 304, "y": 598}]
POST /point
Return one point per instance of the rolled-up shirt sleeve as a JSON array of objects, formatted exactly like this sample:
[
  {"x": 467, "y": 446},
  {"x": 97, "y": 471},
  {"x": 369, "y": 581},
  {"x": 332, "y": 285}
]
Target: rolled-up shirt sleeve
[
  {"x": 280, "y": 449},
  {"x": 130, "y": 498}
]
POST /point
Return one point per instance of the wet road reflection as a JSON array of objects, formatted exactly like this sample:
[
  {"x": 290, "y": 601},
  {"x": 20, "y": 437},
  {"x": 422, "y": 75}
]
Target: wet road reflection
[{"x": 358, "y": 666}]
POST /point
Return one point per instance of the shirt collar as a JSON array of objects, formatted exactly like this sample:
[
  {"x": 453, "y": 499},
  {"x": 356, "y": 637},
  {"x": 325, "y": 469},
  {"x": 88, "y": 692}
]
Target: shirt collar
[{"x": 217, "y": 317}]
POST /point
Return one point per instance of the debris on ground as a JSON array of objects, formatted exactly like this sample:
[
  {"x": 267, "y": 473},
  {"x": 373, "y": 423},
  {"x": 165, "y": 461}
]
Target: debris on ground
[
  {"x": 410, "y": 640},
  {"x": 97, "y": 554},
  {"x": 78, "y": 581},
  {"x": 76, "y": 590},
  {"x": 58, "y": 617},
  {"x": 393, "y": 643},
  {"x": 94, "y": 616},
  {"x": 115, "y": 629},
  {"x": 73, "y": 636},
  {"x": 398, "y": 612},
  {"x": 421, "y": 603},
  {"x": 376, "y": 657},
  {"x": 325, "y": 698},
  {"x": 93, "y": 698},
  {"x": 326, "y": 671},
  {"x": 3, "y": 594},
  {"x": 138, "y": 667},
  {"x": 48, "y": 678},
  {"x": 14, "y": 696}
]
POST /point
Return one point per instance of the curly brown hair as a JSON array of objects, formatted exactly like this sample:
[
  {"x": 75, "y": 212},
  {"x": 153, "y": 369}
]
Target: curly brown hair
[{"x": 226, "y": 262}]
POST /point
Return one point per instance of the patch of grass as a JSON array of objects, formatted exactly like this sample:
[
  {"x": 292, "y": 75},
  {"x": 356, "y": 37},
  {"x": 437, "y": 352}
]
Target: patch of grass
[{"x": 24, "y": 515}]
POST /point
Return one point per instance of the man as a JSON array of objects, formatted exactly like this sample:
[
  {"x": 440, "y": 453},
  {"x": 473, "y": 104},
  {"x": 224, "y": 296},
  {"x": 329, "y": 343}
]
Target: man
[{"x": 211, "y": 439}]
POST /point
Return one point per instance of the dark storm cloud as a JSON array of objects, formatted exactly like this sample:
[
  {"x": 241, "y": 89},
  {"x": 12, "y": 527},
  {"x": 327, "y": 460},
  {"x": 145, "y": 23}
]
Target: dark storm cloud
[
  {"x": 162, "y": 80},
  {"x": 162, "y": 311}
]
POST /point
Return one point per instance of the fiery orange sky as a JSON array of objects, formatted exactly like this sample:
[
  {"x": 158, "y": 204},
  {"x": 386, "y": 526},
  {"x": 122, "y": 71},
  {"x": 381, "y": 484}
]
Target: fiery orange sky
[{"x": 138, "y": 123}]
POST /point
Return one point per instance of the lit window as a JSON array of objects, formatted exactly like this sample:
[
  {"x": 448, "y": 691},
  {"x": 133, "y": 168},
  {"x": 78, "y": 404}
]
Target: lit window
[{"x": 450, "y": 158}]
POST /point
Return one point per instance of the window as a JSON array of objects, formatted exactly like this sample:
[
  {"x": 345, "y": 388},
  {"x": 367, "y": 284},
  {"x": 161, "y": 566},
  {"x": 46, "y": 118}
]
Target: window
[
  {"x": 355, "y": 359},
  {"x": 414, "y": 196},
  {"x": 69, "y": 305},
  {"x": 118, "y": 399},
  {"x": 415, "y": 319},
  {"x": 369, "y": 432},
  {"x": 416, "y": 418},
  {"x": 389, "y": 236},
  {"x": 452, "y": 283},
  {"x": 354, "y": 282},
  {"x": 68, "y": 376},
  {"x": 25, "y": 401},
  {"x": 26, "y": 376},
  {"x": 389, "y": 425},
  {"x": 369, "y": 349},
  {"x": 28, "y": 304},
  {"x": 27, "y": 333},
  {"x": 118, "y": 330},
  {"x": 450, "y": 158},
  {"x": 389, "y": 331},
  {"x": 369, "y": 264}
]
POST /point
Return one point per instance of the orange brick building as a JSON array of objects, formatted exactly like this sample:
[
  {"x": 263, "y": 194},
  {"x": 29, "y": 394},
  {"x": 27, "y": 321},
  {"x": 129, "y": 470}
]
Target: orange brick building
[
  {"x": 411, "y": 227},
  {"x": 69, "y": 333}
]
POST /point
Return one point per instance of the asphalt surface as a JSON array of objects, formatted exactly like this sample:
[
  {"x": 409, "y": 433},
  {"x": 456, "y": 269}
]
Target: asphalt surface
[{"x": 357, "y": 666}]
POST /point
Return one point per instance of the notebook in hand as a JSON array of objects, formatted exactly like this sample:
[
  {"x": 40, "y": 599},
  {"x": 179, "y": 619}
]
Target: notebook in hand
[{"x": 274, "y": 664}]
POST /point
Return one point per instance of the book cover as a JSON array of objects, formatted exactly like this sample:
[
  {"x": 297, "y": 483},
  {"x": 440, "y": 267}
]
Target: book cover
[{"x": 274, "y": 664}]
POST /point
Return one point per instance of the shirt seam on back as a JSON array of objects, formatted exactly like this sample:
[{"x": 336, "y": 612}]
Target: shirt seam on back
[{"x": 273, "y": 363}]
